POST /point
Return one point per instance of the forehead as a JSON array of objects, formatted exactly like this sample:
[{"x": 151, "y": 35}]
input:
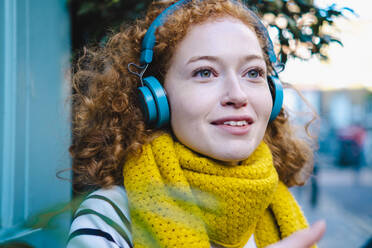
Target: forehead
[{"x": 222, "y": 36}]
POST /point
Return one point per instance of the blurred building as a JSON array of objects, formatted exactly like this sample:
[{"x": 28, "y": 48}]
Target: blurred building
[
  {"x": 34, "y": 119},
  {"x": 339, "y": 89}
]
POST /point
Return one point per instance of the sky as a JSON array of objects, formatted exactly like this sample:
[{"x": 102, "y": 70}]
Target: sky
[{"x": 349, "y": 66}]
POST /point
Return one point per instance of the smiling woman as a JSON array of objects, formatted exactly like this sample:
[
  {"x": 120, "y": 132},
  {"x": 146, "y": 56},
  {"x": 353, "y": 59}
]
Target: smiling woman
[
  {"x": 220, "y": 98},
  {"x": 216, "y": 173}
]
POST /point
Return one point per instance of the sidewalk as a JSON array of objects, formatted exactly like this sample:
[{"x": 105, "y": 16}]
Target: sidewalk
[{"x": 345, "y": 202}]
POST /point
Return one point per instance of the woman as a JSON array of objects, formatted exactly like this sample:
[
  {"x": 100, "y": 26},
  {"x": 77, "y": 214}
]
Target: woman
[{"x": 215, "y": 174}]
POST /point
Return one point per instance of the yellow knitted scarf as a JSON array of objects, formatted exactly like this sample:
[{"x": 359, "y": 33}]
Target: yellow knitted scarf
[{"x": 178, "y": 198}]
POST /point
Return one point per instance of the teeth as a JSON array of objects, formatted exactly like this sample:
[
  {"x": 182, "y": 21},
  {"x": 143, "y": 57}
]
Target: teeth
[{"x": 236, "y": 123}]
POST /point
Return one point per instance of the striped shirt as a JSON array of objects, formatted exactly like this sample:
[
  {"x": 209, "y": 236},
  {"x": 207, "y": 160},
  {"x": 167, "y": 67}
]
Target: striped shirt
[{"x": 103, "y": 220}]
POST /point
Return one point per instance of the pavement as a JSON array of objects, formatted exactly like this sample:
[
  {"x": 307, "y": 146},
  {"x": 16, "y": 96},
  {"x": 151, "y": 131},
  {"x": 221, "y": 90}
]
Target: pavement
[{"x": 344, "y": 201}]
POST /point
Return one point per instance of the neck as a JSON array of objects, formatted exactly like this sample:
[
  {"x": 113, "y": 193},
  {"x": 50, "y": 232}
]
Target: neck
[
  {"x": 231, "y": 162},
  {"x": 228, "y": 163}
]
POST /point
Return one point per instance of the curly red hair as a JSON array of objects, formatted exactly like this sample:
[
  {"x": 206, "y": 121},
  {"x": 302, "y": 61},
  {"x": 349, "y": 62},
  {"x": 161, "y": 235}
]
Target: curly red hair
[{"x": 108, "y": 123}]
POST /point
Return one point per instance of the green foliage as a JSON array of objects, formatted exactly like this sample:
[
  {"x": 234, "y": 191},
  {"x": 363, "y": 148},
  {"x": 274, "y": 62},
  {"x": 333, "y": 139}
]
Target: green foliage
[
  {"x": 93, "y": 19},
  {"x": 299, "y": 23}
]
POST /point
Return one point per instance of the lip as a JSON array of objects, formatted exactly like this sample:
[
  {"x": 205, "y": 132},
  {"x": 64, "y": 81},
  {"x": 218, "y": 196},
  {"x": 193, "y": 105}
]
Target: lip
[
  {"x": 246, "y": 118},
  {"x": 235, "y": 130}
]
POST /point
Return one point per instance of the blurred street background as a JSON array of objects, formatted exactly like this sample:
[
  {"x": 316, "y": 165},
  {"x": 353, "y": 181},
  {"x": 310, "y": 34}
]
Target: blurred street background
[
  {"x": 343, "y": 199},
  {"x": 340, "y": 190},
  {"x": 324, "y": 44}
]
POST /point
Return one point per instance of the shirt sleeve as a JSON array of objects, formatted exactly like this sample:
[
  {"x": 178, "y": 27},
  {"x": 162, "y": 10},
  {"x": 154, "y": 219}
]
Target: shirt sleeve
[{"x": 102, "y": 220}]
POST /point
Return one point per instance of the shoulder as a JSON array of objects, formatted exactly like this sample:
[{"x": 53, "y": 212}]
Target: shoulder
[{"x": 102, "y": 220}]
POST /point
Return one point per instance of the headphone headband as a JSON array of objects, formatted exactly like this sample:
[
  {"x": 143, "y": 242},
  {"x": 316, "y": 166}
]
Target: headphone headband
[
  {"x": 148, "y": 42},
  {"x": 153, "y": 97}
]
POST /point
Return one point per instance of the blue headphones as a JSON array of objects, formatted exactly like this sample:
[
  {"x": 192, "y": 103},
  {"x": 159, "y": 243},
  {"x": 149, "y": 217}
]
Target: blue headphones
[{"x": 153, "y": 98}]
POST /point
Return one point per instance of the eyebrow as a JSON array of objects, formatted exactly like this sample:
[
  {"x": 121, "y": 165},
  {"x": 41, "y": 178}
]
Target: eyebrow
[{"x": 214, "y": 59}]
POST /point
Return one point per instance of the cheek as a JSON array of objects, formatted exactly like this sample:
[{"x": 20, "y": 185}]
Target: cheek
[
  {"x": 185, "y": 120},
  {"x": 186, "y": 110},
  {"x": 263, "y": 104},
  {"x": 188, "y": 103}
]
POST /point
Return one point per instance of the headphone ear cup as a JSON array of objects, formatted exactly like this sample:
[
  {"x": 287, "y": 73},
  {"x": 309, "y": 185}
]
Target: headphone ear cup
[
  {"x": 276, "y": 89},
  {"x": 148, "y": 105},
  {"x": 157, "y": 101}
]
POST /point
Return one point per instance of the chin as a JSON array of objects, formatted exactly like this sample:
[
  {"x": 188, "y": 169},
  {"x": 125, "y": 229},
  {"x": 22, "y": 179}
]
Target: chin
[
  {"x": 233, "y": 157},
  {"x": 236, "y": 152}
]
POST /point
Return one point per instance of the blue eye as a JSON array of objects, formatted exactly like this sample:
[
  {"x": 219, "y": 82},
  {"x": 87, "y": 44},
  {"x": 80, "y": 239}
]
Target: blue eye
[
  {"x": 203, "y": 73},
  {"x": 254, "y": 73}
]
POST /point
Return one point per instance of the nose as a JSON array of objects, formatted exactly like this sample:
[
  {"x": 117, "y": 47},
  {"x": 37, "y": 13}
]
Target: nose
[{"x": 234, "y": 95}]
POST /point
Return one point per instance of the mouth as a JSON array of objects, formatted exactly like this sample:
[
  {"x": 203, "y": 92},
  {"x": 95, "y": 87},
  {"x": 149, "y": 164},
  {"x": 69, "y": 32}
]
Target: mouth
[
  {"x": 236, "y": 121},
  {"x": 235, "y": 125}
]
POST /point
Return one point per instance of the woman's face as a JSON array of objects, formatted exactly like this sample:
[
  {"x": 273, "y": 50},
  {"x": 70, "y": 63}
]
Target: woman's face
[{"x": 217, "y": 88}]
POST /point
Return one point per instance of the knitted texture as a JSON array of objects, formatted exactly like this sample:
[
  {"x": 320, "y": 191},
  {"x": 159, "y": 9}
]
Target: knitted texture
[{"x": 178, "y": 198}]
